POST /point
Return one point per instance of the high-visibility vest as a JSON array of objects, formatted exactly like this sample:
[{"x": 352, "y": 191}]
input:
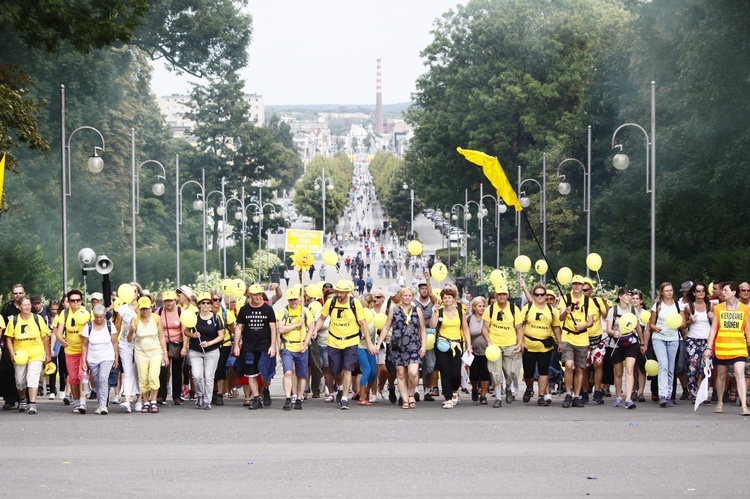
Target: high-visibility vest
[{"x": 730, "y": 342}]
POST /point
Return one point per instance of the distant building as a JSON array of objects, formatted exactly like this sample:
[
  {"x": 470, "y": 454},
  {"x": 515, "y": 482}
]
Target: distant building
[
  {"x": 174, "y": 107},
  {"x": 312, "y": 138}
]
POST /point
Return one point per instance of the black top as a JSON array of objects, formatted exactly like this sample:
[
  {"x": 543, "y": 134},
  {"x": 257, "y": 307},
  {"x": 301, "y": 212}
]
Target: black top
[
  {"x": 256, "y": 333},
  {"x": 209, "y": 330}
]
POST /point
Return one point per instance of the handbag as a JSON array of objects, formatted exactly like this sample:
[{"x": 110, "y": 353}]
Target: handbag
[{"x": 173, "y": 350}]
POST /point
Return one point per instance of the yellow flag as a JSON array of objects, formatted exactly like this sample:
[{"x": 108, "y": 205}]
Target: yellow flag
[
  {"x": 494, "y": 172},
  {"x": 2, "y": 179}
]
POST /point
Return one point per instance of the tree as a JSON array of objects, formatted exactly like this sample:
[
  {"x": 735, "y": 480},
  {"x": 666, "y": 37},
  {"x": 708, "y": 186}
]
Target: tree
[{"x": 308, "y": 200}]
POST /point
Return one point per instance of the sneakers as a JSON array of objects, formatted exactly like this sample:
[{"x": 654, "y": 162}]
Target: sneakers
[
  {"x": 287, "y": 405},
  {"x": 125, "y": 407},
  {"x": 79, "y": 409},
  {"x": 138, "y": 407},
  {"x": 498, "y": 404},
  {"x": 32, "y": 408},
  {"x": 670, "y": 403},
  {"x": 344, "y": 405},
  {"x": 474, "y": 395},
  {"x": 207, "y": 407},
  {"x": 67, "y": 399},
  {"x": 266, "y": 397},
  {"x": 577, "y": 402},
  {"x": 220, "y": 400},
  {"x": 383, "y": 395},
  {"x": 22, "y": 405},
  {"x": 416, "y": 396},
  {"x": 52, "y": 396},
  {"x": 527, "y": 395},
  {"x": 663, "y": 401},
  {"x": 298, "y": 405},
  {"x": 61, "y": 396},
  {"x": 617, "y": 402},
  {"x": 101, "y": 410},
  {"x": 641, "y": 398},
  {"x": 392, "y": 394},
  {"x": 568, "y": 401},
  {"x": 685, "y": 394},
  {"x": 448, "y": 404},
  {"x": 256, "y": 404},
  {"x": 340, "y": 395},
  {"x": 540, "y": 401},
  {"x": 428, "y": 397},
  {"x": 629, "y": 404},
  {"x": 199, "y": 402},
  {"x": 597, "y": 397},
  {"x": 373, "y": 399},
  {"x": 509, "y": 396},
  {"x": 585, "y": 398},
  {"x": 482, "y": 400},
  {"x": 547, "y": 400}
]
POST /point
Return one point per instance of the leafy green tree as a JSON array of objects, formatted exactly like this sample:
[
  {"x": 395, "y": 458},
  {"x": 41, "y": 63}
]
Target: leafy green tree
[{"x": 309, "y": 201}]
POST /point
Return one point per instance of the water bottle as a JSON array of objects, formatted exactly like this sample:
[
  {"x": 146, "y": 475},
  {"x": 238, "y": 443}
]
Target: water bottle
[{"x": 85, "y": 382}]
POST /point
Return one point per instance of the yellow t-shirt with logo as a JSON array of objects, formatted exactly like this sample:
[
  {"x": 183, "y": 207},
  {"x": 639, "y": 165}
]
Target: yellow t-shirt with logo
[
  {"x": 538, "y": 324},
  {"x": 71, "y": 332},
  {"x": 579, "y": 314},
  {"x": 596, "y": 306},
  {"x": 451, "y": 329},
  {"x": 292, "y": 340},
  {"x": 502, "y": 324},
  {"x": 343, "y": 331},
  {"x": 27, "y": 337}
]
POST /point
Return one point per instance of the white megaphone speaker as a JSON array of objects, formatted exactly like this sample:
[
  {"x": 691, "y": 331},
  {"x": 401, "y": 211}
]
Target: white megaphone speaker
[
  {"x": 86, "y": 257},
  {"x": 104, "y": 265}
]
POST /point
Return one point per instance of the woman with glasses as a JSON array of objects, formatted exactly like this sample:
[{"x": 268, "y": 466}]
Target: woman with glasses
[
  {"x": 100, "y": 354},
  {"x": 169, "y": 316},
  {"x": 228, "y": 318},
  {"x": 204, "y": 341},
  {"x": 665, "y": 341},
  {"x": 698, "y": 319},
  {"x": 540, "y": 330}
]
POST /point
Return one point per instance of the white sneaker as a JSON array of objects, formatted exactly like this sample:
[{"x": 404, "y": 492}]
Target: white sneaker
[
  {"x": 117, "y": 400},
  {"x": 105, "y": 410},
  {"x": 98, "y": 410},
  {"x": 61, "y": 395},
  {"x": 448, "y": 404},
  {"x": 373, "y": 399},
  {"x": 125, "y": 407},
  {"x": 138, "y": 407},
  {"x": 52, "y": 396},
  {"x": 383, "y": 394}
]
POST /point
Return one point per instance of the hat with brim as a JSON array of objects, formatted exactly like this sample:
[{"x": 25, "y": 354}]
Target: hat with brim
[
  {"x": 292, "y": 293},
  {"x": 501, "y": 290},
  {"x": 255, "y": 289},
  {"x": 343, "y": 286},
  {"x": 577, "y": 279},
  {"x": 169, "y": 295},
  {"x": 144, "y": 302},
  {"x": 393, "y": 290},
  {"x": 97, "y": 296},
  {"x": 185, "y": 291}
]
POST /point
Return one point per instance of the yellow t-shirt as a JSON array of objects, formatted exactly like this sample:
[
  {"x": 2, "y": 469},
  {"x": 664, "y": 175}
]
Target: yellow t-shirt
[
  {"x": 596, "y": 308},
  {"x": 229, "y": 327},
  {"x": 502, "y": 323},
  {"x": 27, "y": 337},
  {"x": 579, "y": 314},
  {"x": 343, "y": 331},
  {"x": 2, "y": 322},
  {"x": 292, "y": 341},
  {"x": 71, "y": 332},
  {"x": 451, "y": 329},
  {"x": 538, "y": 326}
]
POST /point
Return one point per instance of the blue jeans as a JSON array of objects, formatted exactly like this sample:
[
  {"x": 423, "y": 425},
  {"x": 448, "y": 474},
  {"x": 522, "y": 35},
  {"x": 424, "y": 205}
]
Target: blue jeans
[
  {"x": 368, "y": 365},
  {"x": 666, "y": 352}
]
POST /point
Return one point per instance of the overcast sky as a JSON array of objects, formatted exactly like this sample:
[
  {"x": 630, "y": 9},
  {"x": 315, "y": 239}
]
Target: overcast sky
[{"x": 325, "y": 51}]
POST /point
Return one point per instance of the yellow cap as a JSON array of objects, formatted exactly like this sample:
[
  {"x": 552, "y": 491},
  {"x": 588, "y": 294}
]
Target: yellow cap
[
  {"x": 169, "y": 295},
  {"x": 292, "y": 293},
  {"x": 343, "y": 285},
  {"x": 255, "y": 289},
  {"x": 203, "y": 296},
  {"x": 144, "y": 302},
  {"x": 577, "y": 279},
  {"x": 501, "y": 290},
  {"x": 588, "y": 281}
]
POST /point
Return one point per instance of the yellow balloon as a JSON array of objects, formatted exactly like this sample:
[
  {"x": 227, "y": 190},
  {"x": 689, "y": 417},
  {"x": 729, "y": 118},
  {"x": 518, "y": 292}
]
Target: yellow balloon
[
  {"x": 439, "y": 272},
  {"x": 652, "y": 367},
  {"x": 645, "y": 316},
  {"x": 188, "y": 318},
  {"x": 541, "y": 267},
  {"x": 368, "y": 316},
  {"x": 227, "y": 286},
  {"x": 627, "y": 323},
  {"x": 673, "y": 320},
  {"x": 710, "y": 289},
  {"x": 82, "y": 316},
  {"x": 520, "y": 373},
  {"x": 564, "y": 276},
  {"x": 497, "y": 278},
  {"x": 594, "y": 262},
  {"x": 330, "y": 257},
  {"x": 238, "y": 288},
  {"x": 126, "y": 293},
  {"x": 21, "y": 358},
  {"x": 492, "y": 352},
  {"x": 50, "y": 369},
  {"x": 314, "y": 307},
  {"x": 430, "y": 342},
  {"x": 436, "y": 293},
  {"x": 415, "y": 248},
  {"x": 379, "y": 320},
  {"x": 522, "y": 263},
  {"x": 315, "y": 290}
]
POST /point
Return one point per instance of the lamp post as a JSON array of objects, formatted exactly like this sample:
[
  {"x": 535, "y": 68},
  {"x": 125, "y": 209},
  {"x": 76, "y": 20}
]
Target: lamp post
[
  {"x": 411, "y": 194},
  {"x": 525, "y": 202},
  {"x": 198, "y": 204},
  {"x": 481, "y": 213},
  {"x": 467, "y": 217},
  {"x": 260, "y": 206},
  {"x": 621, "y": 162},
  {"x": 95, "y": 164},
  {"x": 221, "y": 211},
  {"x": 242, "y": 217},
  {"x": 500, "y": 208},
  {"x": 157, "y": 189},
  {"x": 327, "y": 184},
  {"x": 564, "y": 189}
]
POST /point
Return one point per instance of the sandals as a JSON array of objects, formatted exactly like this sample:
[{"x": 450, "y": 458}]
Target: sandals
[
  {"x": 412, "y": 403},
  {"x": 745, "y": 412},
  {"x": 154, "y": 408},
  {"x": 405, "y": 405},
  {"x": 247, "y": 402},
  {"x": 364, "y": 401},
  {"x": 719, "y": 409},
  {"x": 330, "y": 398},
  {"x": 145, "y": 408}
]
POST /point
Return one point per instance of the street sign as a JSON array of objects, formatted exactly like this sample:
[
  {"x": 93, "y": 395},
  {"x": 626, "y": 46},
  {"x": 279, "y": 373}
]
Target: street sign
[{"x": 311, "y": 240}]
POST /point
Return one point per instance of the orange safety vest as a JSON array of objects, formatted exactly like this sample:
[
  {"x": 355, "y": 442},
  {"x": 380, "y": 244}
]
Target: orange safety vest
[{"x": 730, "y": 341}]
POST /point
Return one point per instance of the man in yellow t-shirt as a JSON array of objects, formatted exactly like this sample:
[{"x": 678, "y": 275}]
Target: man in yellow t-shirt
[
  {"x": 502, "y": 327},
  {"x": 347, "y": 320},
  {"x": 576, "y": 318},
  {"x": 598, "y": 308},
  {"x": 294, "y": 330}
]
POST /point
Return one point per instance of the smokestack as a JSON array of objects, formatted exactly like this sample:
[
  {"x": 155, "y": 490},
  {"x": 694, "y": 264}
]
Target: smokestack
[{"x": 379, "y": 102}]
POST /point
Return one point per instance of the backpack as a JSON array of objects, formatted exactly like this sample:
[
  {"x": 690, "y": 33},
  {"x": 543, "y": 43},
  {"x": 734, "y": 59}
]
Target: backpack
[
  {"x": 528, "y": 309},
  {"x": 90, "y": 326},
  {"x": 569, "y": 302},
  {"x": 351, "y": 306},
  {"x": 36, "y": 319},
  {"x": 512, "y": 312},
  {"x": 708, "y": 309},
  {"x": 440, "y": 319}
]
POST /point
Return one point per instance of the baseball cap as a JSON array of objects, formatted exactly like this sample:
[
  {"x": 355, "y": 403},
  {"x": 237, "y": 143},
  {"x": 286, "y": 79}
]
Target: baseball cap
[
  {"x": 144, "y": 302},
  {"x": 422, "y": 282},
  {"x": 185, "y": 291},
  {"x": 685, "y": 286},
  {"x": 577, "y": 279},
  {"x": 623, "y": 291},
  {"x": 393, "y": 290},
  {"x": 501, "y": 290},
  {"x": 203, "y": 296},
  {"x": 169, "y": 295},
  {"x": 292, "y": 293},
  {"x": 96, "y": 296},
  {"x": 255, "y": 289}
]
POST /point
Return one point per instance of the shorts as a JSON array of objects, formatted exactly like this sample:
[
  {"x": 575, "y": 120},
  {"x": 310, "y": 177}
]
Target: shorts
[
  {"x": 478, "y": 371},
  {"x": 267, "y": 365},
  {"x": 428, "y": 362},
  {"x": 342, "y": 360},
  {"x": 578, "y": 355},
  {"x": 323, "y": 357},
  {"x": 596, "y": 352},
  {"x": 626, "y": 347},
  {"x": 296, "y": 361},
  {"x": 27, "y": 376},
  {"x": 538, "y": 362},
  {"x": 384, "y": 358},
  {"x": 728, "y": 362},
  {"x": 247, "y": 364},
  {"x": 73, "y": 364}
]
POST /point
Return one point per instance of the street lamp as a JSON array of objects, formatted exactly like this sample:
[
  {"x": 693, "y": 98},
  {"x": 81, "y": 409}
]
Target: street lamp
[
  {"x": 411, "y": 194},
  {"x": 222, "y": 212},
  {"x": 327, "y": 185},
  {"x": 621, "y": 162},
  {"x": 241, "y": 217},
  {"x": 481, "y": 213},
  {"x": 525, "y": 202},
  {"x": 467, "y": 217},
  {"x": 564, "y": 189},
  {"x": 260, "y": 206},
  {"x": 198, "y": 204},
  {"x": 157, "y": 189},
  {"x": 95, "y": 164}
]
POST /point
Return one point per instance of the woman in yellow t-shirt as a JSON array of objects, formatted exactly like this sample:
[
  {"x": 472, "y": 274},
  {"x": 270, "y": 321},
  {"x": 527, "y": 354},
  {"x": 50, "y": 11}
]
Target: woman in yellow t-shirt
[
  {"x": 541, "y": 328},
  {"x": 452, "y": 330},
  {"x": 150, "y": 352},
  {"x": 28, "y": 343}
]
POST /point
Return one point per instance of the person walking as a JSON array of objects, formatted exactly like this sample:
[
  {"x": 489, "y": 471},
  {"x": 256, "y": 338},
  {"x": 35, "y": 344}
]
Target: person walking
[{"x": 99, "y": 354}]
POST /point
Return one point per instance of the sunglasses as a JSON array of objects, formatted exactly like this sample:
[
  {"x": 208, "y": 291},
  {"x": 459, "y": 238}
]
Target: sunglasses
[
  {"x": 586, "y": 290},
  {"x": 379, "y": 297},
  {"x": 540, "y": 294},
  {"x": 74, "y": 300},
  {"x": 743, "y": 290},
  {"x": 703, "y": 290},
  {"x": 205, "y": 302},
  {"x": 215, "y": 299}
]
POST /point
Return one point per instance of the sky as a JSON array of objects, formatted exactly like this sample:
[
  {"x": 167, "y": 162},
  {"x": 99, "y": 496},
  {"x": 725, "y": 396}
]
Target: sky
[{"x": 326, "y": 51}]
